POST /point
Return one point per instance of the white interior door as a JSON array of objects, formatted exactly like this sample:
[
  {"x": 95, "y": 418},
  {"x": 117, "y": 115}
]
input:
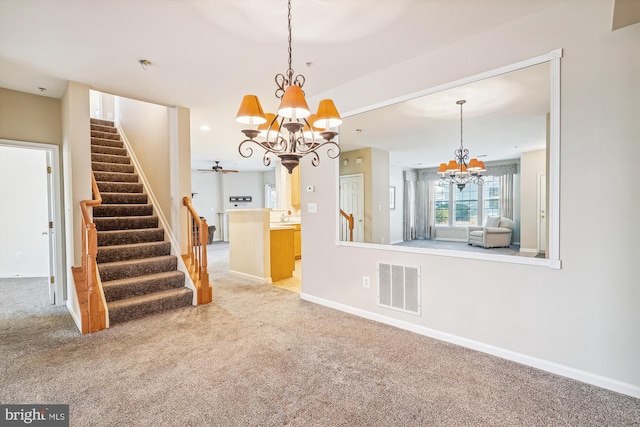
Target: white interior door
[
  {"x": 542, "y": 212},
  {"x": 352, "y": 202}
]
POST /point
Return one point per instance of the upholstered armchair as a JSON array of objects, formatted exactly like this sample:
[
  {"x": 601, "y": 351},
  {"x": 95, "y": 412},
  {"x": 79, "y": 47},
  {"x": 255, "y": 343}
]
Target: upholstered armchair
[{"x": 495, "y": 233}]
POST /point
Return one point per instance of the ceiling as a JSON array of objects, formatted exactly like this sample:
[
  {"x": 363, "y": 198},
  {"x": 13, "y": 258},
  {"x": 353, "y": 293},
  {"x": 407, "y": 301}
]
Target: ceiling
[{"x": 205, "y": 55}]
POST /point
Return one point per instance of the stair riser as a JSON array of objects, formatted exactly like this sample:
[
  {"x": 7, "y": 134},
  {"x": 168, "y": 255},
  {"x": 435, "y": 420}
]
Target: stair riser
[
  {"x": 111, "y": 238},
  {"x": 115, "y": 177},
  {"x": 120, "y": 187},
  {"x": 124, "y": 198},
  {"x": 122, "y": 210},
  {"x": 113, "y": 151},
  {"x": 143, "y": 286},
  {"x": 125, "y": 223},
  {"x": 112, "y": 167},
  {"x": 107, "y": 158},
  {"x": 105, "y": 135},
  {"x": 129, "y": 252},
  {"x": 107, "y": 142},
  {"x": 136, "y": 269},
  {"x": 124, "y": 314}
]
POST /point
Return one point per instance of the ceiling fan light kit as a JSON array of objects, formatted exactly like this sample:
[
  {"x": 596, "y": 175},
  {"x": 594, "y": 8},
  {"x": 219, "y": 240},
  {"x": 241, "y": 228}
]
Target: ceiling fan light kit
[
  {"x": 218, "y": 168},
  {"x": 306, "y": 132}
]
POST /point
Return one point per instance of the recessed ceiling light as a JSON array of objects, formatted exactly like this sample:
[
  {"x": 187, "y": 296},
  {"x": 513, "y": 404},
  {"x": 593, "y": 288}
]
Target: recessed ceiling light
[{"x": 205, "y": 127}]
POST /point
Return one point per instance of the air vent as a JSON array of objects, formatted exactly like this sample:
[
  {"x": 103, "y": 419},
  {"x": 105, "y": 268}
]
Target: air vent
[{"x": 399, "y": 287}]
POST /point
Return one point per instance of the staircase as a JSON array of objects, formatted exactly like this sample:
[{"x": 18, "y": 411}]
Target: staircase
[{"x": 138, "y": 273}]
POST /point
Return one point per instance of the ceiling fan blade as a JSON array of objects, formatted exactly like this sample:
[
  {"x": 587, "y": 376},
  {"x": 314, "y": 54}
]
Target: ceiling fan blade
[
  {"x": 205, "y": 170},
  {"x": 229, "y": 171}
]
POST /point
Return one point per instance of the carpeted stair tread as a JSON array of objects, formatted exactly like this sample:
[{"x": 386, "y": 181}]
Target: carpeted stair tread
[
  {"x": 124, "y": 198},
  {"x": 120, "y": 187},
  {"x": 103, "y": 128},
  {"x": 105, "y": 176},
  {"x": 108, "y": 158},
  {"x": 101, "y": 122},
  {"x": 137, "y": 267},
  {"x": 126, "y": 222},
  {"x": 123, "y": 237},
  {"x": 103, "y": 149},
  {"x": 107, "y": 210},
  {"x": 135, "y": 286},
  {"x": 132, "y": 251},
  {"x": 112, "y": 167},
  {"x": 139, "y": 306}
]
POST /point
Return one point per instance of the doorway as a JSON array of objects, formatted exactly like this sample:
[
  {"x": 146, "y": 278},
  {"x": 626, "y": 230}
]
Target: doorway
[
  {"x": 352, "y": 202},
  {"x": 29, "y": 220}
]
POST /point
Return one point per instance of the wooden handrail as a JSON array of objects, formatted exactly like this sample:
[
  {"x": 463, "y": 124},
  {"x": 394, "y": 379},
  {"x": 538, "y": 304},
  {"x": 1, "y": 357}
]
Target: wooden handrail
[
  {"x": 350, "y": 222},
  {"x": 93, "y": 311},
  {"x": 196, "y": 258}
]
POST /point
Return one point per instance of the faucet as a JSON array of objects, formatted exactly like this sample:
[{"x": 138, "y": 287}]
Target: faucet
[{"x": 284, "y": 218}]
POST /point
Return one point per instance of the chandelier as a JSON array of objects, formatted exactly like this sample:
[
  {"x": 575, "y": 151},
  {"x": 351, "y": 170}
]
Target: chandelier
[
  {"x": 305, "y": 132},
  {"x": 461, "y": 171}
]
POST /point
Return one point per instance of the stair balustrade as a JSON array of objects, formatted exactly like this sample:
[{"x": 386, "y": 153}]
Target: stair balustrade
[
  {"x": 196, "y": 258},
  {"x": 346, "y": 227},
  {"x": 90, "y": 296}
]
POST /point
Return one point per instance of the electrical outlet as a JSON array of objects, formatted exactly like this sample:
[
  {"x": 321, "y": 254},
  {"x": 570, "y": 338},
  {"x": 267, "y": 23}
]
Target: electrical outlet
[{"x": 366, "y": 283}]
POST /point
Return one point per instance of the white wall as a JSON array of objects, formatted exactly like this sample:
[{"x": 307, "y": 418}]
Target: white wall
[
  {"x": 243, "y": 184},
  {"x": 583, "y": 320},
  {"x": 208, "y": 200},
  {"x": 24, "y": 250}
]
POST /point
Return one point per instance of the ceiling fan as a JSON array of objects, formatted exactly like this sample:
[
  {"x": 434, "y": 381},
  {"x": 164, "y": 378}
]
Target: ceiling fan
[{"x": 218, "y": 168}]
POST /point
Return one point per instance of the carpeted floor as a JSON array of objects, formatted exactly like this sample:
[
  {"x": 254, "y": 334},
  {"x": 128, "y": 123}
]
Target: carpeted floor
[
  {"x": 260, "y": 356},
  {"x": 462, "y": 246}
]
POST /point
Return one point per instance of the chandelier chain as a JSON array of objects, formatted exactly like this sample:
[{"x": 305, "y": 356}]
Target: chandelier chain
[{"x": 290, "y": 70}]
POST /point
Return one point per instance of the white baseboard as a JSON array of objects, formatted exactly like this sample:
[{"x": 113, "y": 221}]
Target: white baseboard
[
  {"x": 545, "y": 365},
  {"x": 529, "y": 250},
  {"x": 250, "y": 277},
  {"x": 74, "y": 316}
]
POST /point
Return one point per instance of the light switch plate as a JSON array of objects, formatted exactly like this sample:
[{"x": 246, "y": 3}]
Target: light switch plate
[{"x": 312, "y": 207}]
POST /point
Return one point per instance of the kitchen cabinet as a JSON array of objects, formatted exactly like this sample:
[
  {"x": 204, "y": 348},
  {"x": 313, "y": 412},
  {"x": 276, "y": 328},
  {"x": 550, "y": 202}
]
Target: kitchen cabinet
[
  {"x": 282, "y": 252},
  {"x": 297, "y": 241}
]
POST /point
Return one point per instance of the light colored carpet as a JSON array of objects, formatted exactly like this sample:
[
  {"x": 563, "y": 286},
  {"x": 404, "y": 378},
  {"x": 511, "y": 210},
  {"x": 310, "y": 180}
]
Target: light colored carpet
[
  {"x": 460, "y": 246},
  {"x": 260, "y": 356}
]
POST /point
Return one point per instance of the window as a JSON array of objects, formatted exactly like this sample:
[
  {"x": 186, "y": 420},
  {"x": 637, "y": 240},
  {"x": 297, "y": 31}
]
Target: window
[
  {"x": 441, "y": 205},
  {"x": 491, "y": 196},
  {"x": 471, "y": 205},
  {"x": 466, "y": 204}
]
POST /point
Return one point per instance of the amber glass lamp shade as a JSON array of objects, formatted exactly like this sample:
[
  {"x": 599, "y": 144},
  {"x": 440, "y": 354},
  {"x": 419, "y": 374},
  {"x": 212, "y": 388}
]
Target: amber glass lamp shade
[
  {"x": 293, "y": 104},
  {"x": 264, "y": 128},
  {"x": 453, "y": 166},
  {"x": 327, "y": 115},
  {"x": 250, "y": 111},
  {"x": 476, "y": 165}
]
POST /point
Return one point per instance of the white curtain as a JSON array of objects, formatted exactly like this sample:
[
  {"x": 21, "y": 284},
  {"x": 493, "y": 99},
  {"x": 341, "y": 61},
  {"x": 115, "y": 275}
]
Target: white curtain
[
  {"x": 409, "y": 222},
  {"x": 506, "y": 195}
]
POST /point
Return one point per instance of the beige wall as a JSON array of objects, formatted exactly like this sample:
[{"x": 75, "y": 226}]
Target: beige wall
[
  {"x": 532, "y": 164},
  {"x": 76, "y": 154},
  {"x": 27, "y": 117},
  {"x": 146, "y": 127},
  {"x": 582, "y": 320},
  {"x": 376, "y": 189}
]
